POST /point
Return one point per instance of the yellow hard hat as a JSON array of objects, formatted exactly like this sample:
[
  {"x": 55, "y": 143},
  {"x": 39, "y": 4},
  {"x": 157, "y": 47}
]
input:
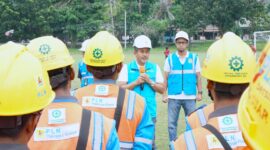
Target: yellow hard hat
[
  {"x": 103, "y": 50},
  {"x": 52, "y": 52},
  {"x": 24, "y": 84},
  {"x": 229, "y": 60},
  {"x": 254, "y": 106}
]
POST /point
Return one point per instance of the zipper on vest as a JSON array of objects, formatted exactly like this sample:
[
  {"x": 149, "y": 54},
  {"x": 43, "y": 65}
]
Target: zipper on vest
[{"x": 182, "y": 77}]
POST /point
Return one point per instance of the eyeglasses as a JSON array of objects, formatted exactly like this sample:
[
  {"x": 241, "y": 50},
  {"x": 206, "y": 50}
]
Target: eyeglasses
[{"x": 179, "y": 43}]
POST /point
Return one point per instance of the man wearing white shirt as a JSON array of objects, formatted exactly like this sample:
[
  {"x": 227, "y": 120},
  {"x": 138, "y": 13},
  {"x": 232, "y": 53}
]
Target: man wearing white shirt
[
  {"x": 142, "y": 76},
  {"x": 183, "y": 80}
]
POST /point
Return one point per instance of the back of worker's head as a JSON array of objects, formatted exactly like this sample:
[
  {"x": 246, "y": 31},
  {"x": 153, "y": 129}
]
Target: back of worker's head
[
  {"x": 254, "y": 106},
  {"x": 228, "y": 66},
  {"x": 104, "y": 55},
  {"x": 55, "y": 57},
  {"x": 24, "y": 91}
]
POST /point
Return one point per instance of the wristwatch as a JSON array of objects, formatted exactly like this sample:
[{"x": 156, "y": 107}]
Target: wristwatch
[
  {"x": 152, "y": 83},
  {"x": 199, "y": 92}
]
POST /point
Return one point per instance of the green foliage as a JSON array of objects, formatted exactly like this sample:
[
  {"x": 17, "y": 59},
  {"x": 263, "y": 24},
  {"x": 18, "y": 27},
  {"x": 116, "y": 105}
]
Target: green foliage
[
  {"x": 28, "y": 18},
  {"x": 197, "y": 14},
  {"x": 76, "y": 20},
  {"x": 71, "y": 20}
]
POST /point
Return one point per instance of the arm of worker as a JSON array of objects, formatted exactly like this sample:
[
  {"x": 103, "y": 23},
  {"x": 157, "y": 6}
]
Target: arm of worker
[
  {"x": 145, "y": 131},
  {"x": 167, "y": 69},
  {"x": 122, "y": 80},
  {"x": 199, "y": 81}
]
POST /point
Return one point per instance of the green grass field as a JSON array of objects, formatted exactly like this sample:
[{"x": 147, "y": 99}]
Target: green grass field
[{"x": 157, "y": 56}]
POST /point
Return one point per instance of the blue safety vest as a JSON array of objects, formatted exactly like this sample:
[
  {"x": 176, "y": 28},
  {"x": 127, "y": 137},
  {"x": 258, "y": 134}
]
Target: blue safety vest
[
  {"x": 85, "y": 76},
  {"x": 182, "y": 77},
  {"x": 147, "y": 92}
]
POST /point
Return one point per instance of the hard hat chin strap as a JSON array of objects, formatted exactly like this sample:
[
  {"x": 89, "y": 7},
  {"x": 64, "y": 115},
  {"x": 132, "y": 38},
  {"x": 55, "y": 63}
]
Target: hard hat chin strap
[
  {"x": 59, "y": 77},
  {"x": 10, "y": 122},
  {"x": 233, "y": 89},
  {"x": 104, "y": 72}
]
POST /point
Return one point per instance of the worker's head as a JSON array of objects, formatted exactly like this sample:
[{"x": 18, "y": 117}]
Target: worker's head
[
  {"x": 228, "y": 67},
  {"x": 84, "y": 45},
  {"x": 24, "y": 91},
  {"x": 142, "y": 46},
  {"x": 104, "y": 56},
  {"x": 254, "y": 106},
  {"x": 181, "y": 41},
  {"x": 56, "y": 59}
]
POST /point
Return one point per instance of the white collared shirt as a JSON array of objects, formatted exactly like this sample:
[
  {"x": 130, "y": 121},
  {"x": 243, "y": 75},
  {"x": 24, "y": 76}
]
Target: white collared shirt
[{"x": 123, "y": 75}]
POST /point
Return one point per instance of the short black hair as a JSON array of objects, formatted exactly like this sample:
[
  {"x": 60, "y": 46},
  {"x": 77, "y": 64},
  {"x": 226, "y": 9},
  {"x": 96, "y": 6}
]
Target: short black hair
[{"x": 59, "y": 77}]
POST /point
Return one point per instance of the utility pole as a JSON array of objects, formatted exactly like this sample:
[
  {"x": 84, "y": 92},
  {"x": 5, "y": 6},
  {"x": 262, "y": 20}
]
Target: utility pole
[
  {"x": 140, "y": 6},
  {"x": 125, "y": 29},
  {"x": 111, "y": 12}
]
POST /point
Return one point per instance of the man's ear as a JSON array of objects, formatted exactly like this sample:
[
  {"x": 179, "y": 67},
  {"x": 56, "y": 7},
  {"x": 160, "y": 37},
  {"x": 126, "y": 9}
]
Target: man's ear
[
  {"x": 135, "y": 51},
  {"x": 31, "y": 125},
  {"x": 119, "y": 67},
  {"x": 88, "y": 68},
  {"x": 72, "y": 74}
]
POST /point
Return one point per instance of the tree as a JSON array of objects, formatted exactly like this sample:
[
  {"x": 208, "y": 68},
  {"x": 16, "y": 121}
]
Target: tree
[
  {"x": 28, "y": 19},
  {"x": 78, "y": 20},
  {"x": 190, "y": 15},
  {"x": 222, "y": 13}
]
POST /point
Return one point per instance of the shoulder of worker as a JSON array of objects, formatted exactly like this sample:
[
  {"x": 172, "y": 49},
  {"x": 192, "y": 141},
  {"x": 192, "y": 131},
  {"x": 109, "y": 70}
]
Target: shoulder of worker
[{"x": 195, "y": 137}]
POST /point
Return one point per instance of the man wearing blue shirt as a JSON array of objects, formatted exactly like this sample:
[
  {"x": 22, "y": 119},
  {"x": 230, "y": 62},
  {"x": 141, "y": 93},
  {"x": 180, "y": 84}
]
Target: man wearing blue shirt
[
  {"x": 83, "y": 74},
  {"x": 143, "y": 76},
  {"x": 183, "y": 81}
]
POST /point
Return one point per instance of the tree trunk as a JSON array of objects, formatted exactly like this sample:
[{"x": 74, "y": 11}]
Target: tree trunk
[{"x": 140, "y": 6}]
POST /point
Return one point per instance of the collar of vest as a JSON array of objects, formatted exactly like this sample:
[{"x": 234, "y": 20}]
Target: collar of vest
[
  {"x": 14, "y": 146},
  {"x": 187, "y": 55},
  {"x": 134, "y": 66},
  {"x": 104, "y": 81},
  {"x": 63, "y": 99},
  {"x": 224, "y": 111}
]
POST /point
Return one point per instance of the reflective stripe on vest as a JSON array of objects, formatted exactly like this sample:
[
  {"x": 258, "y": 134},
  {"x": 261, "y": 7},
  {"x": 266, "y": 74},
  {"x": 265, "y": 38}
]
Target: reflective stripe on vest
[
  {"x": 87, "y": 77},
  {"x": 189, "y": 139},
  {"x": 201, "y": 117},
  {"x": 172, "y": 145},
  {"x": 131, "y": 104},
  {"x": 98, "y": 131},
  {"x": 181, "y": 72},
  {"x": 188, "y": 127},
  {"x": 65, "y": 100},
  {"x": 143, "y": 140},
  {"x": 126, "y": 145}
]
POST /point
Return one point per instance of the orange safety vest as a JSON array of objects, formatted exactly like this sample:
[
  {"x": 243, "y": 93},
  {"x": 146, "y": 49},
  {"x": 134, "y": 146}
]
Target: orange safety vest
[
  {"x": 199, "y": 117},
  {"x": 132, "y": 111},
  {"x": 201, "y": 139},
  {"x": 59, "y": 128}
]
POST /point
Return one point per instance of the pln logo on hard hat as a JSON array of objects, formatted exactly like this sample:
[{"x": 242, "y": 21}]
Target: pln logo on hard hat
[
  {"x": 44, "y": 49},
  {"x": 97, "y": 53},
  {"x": 236, "y": 63}
]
